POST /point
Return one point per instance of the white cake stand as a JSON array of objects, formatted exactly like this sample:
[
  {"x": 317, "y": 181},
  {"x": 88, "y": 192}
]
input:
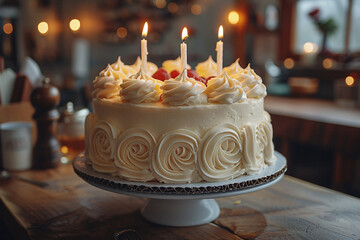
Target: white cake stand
[{"x": 181, "y": 205}]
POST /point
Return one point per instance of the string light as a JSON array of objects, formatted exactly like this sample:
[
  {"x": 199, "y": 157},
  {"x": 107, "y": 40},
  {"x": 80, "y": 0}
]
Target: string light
[
  {"x": 233, "y": 17},
  {"x": 289, "y": 63},
  {"x": 8, "y": 28},
  {"x": 121, "y": 32},
  {"x": 74, "y": 25},
  {"x": 196, "y": 9},
  {"x": 349, "y": 80},
  {"x": 173, "y": 7},
  {"x": 43, "y": 27},
  {"x": 327, "y": 63}
]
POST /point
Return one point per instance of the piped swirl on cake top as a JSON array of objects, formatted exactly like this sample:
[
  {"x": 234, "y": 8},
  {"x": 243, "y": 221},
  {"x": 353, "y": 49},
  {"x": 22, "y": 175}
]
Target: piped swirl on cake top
[{"x": 130, "y": 84}]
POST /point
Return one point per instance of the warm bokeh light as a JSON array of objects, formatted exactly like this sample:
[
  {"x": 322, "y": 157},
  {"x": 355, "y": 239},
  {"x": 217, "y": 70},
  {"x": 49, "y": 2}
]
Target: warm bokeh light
[
  {"x": 64, "y": 150},
  {"x": 43, "y": 27},
  {"x": 121, "y": 32},
  {"x": 184, "y": 34},
  {"x": 289, "y": 63},
  {"x": 327, "y": 63},
  {"x": 160, "y": 3},
  {"x": 349, "y": 80},
  {"x": 145, "y": 30},
  {"x": 310, "y": 47},
  {"x": 233, "y": 17},
  {"x": 196, "y": 9},
  {"x": 8, "y": 28},
  {"x": 173, "y": 7},
  {"x": 74, "y": 25},
  {"x": 221, "y": 32}
]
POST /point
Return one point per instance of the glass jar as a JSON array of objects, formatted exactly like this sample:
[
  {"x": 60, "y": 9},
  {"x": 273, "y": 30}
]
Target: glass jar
[{"x": 71, "y": 132}]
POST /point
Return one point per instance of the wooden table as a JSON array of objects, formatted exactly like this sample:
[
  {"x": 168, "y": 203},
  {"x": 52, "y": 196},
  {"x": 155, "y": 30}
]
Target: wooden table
[
  {"x": 319, "y": 139},
  {"x": 69, "y": 208}
]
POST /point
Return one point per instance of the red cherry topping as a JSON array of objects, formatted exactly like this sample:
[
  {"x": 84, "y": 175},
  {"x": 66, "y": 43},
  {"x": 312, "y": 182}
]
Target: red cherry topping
[
  {"x": 207, "y": 79},
  {"x": 161, "y": 74},
  {"x": 191, "y": 73},
  {"x": 201, "y": 79},
  {"x": 174, "y": 73}
]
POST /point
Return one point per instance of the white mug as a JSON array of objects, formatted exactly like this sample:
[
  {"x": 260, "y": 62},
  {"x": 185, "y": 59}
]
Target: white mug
[{"x": 16, "y": 145}]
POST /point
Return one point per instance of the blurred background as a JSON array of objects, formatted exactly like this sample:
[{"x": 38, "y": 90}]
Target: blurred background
[{"x": 306, "y": 51}]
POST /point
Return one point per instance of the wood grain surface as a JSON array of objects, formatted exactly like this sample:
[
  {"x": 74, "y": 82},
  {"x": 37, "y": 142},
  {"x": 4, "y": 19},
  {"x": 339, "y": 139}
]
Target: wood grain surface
[{"x": 69, "y": 208}]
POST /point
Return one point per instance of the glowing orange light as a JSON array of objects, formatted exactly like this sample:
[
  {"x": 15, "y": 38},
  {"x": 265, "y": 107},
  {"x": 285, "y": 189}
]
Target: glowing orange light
[
  {"x": 121, "y": 32},
  {"x": 196, "y": 9},
  {"x": 349, "y": 80},
  {"x": 43, "y": 27},
  {"x": 145, "y": 30},
  {"x": 74, "y": 25},
  {"x": 160, "y": 3},
  {"x": 173, "y": 7},
  {"x": 233, "y": 17},
  {"x": 310, "y": 47},
  {"x": 184, "y": 34},
  {"x": 327, "y": 63},
  {"x": 221, "y": 32},
  {"x": 64, "y": 149},
  {"x": 289, "y": 63},
  {"x": 8, "y": 28}
]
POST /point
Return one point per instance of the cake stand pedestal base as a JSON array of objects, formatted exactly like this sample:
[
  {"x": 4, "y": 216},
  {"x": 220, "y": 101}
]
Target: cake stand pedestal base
[
  {"x": 181, "y": 205},
  {"x": 180, "y": 213}
]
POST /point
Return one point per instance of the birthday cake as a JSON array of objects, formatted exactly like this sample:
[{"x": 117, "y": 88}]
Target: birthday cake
[{"x": 178, "y": 126}]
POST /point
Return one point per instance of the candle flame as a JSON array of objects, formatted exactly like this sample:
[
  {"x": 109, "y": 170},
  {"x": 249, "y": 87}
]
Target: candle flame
[
  {"x": 145, "y": 30},
  {"x": 221, "y": 32},
  {"x": 184, "y": 34}
]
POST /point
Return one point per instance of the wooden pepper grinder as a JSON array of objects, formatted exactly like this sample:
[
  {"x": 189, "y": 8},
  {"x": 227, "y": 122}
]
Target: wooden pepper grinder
[{"x": 45, "y": 99}]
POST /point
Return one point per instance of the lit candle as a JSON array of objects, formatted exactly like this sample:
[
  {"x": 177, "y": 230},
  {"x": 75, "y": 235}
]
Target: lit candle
[
  {"x": 183, "y": 46},
  {"x": 219, "y": 50},
  {"x": 144, "y": 51}
]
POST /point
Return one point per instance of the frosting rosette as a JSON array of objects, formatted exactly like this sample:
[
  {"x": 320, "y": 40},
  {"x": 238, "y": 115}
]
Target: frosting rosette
[
  {"x": 140, "y": 88},
  {"x": 251, "y": 82},
  {"x": 224, "y": 89},
  {"x": 234, "y": 68},
  {"x": 107, "y": 84},
  {"x": 171, "y": 65},
  {"x": 175, "y": 157},
  {"x": 133, "y": 153},
  {"x": 183, "y": 91},
  {"x": 265, "y": 135},
  {"x": 253, "y": 160},
  {"x": 101, "y": 143},
  {"x": 89, "y": 125},
  {"x": 151, "y": 67},
  {"x": 207, "y": 68},
  {"x": 123, "y": 70},
  {"x": 220, "y": 155}
]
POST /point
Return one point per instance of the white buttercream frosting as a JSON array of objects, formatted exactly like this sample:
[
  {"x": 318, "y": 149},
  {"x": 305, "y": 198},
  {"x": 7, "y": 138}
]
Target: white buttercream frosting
[
  {"x": 224, "y": 89},
  {"x": 234, "y": 68},
  {"x": 151, "y": 67},
  {"x": 101, "y": 142},
  {"x": 123, "y": 70},
  {"x": 107, "y": 84},
  {"x": 133, "y": 154},
  {"x": 175, "y": 157},
  {"x": 220, "y": 155},
  {"x": 183, "y": 91},
  {"x": 207, "y": 68},
  {"x": 140, "y": 88},
  {"x": 89, "y": 125},
  {"x": 171, "y": 65},
  {"x": 251, "y": 82}
]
